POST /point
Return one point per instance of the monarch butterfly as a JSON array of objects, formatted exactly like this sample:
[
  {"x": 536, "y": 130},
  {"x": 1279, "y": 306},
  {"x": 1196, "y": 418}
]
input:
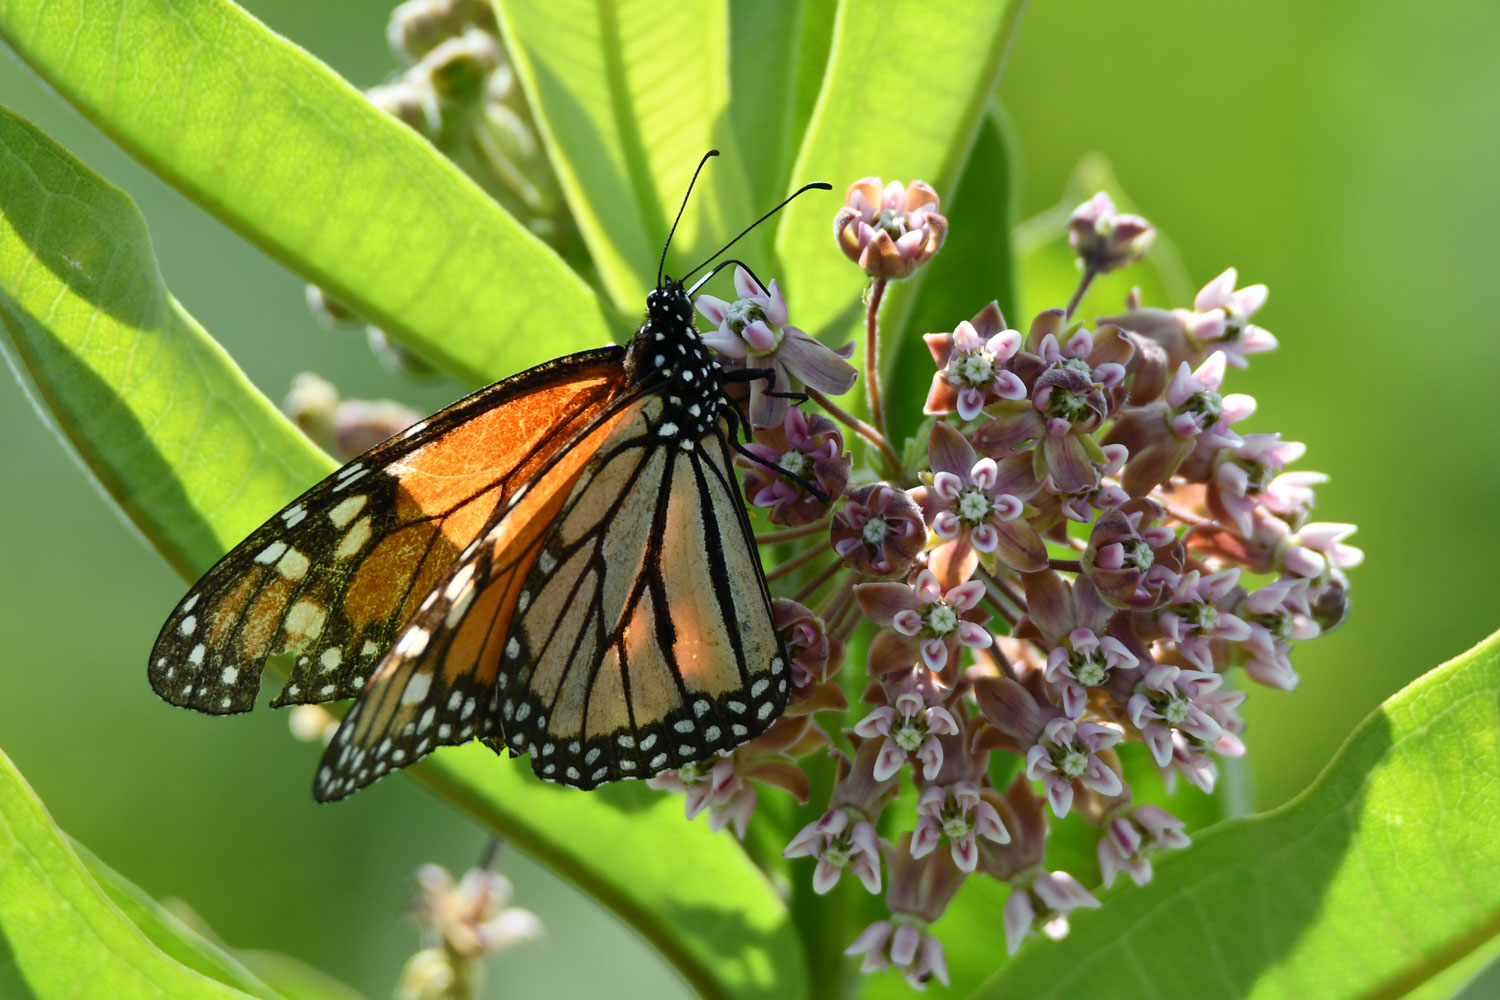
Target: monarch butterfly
[{"x": 559, "y": 564}]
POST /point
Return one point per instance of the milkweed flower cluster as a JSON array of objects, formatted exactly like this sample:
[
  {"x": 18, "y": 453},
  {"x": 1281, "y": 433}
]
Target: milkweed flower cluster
[{"x": 1089, "y": 547}]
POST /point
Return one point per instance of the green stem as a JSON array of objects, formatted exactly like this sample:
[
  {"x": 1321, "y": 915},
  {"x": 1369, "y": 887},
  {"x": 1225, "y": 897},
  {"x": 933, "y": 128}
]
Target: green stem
[
  {"x": 1089, "y": 273},
  {"x": 872, "y": 352},
  {"x": 864, "y": 430}
]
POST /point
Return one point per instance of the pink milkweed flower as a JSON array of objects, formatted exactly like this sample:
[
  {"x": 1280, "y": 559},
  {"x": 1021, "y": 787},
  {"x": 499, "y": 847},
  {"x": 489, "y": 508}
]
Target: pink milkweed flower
[
  {"x": 1041, "y": 900},
  {"x": 753, "y": 331},
  {"x": 1106, "y": 240},
  {"x": 978, "y": 507},
  {"x": 1072, "y": 392},
  {"x": 1084, "y": 660},
  {"x": 717, "y": 787},
  {"x": 470, "y": 916},
  {"x": 1217, "y": 323},
  {"x": 878, "y": 530},
  {"x": 1318, "y": 547},
  {"x": 1244, "y": 476},
  {"x": 1196, "y": 615},
  {"x": 971, "y": 365},
  {"x": 910, "y": 725},
  {"x": 1130, "y": 558},
  {"x": 839, "y": 839},
  {"x": 932, "y": 623},
  {"x": 889, "y": 232},
  {"x": 806, "y": 445},
  {"x": 919, "y": 893},
  {"x": 905, "y": 944},
  {"x": 1131, "y": 837},
  {"x": 959, "y": 813},
  {"x": 1171, "y": 700},
  {"x": 1278, "y": 614},
  {"x": 1221, "y": 319},
  {"x": 1069, "y": 751}
]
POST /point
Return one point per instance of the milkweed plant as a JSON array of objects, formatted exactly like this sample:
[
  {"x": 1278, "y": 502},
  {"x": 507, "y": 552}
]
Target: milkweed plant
[{"x": 1028, "y": 565}]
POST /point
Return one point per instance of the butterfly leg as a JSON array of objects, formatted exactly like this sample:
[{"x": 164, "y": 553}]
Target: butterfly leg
[{"x": 736, "y": 420}]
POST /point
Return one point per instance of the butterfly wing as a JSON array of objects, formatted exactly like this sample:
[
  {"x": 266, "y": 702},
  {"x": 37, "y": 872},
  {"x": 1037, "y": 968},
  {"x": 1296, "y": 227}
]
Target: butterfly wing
[
  {"x": 438, "y": 685},
  {"x": 648, "y": 641},
  {"x": 615, "y": 629},
  {"x": 335, "y": 575}
]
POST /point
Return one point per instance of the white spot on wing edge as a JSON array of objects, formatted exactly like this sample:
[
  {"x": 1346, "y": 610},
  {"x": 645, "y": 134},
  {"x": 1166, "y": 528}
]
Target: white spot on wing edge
[
  {"x": 416, "y": 688},
  {"x": 345, "y": 511}
]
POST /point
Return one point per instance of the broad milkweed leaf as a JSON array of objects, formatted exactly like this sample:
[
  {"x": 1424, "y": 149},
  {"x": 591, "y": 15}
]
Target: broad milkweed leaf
[
  {"x": 292, "y": 157},
  {"x": 162, "y": 417},
  {"x": 197, "y": 458},
  {"x": 199, "y": 950},
  {"x": 1379, "y": 879},
  {"x": 65, "y": 937},
  {"x": 629, "y": 95}
]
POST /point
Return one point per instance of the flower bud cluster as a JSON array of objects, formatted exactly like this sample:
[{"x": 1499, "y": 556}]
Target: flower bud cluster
[
  {"x": 1088, "y": 550},
  {"x": 458, "y": 90}
]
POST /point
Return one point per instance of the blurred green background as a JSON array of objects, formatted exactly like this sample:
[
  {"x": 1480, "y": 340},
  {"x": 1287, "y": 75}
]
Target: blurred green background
[{"x": 1345, "y": 153}]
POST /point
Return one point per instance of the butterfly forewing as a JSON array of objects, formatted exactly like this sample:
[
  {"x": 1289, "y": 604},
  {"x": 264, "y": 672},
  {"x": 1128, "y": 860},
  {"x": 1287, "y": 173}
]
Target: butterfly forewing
[
  {"x": 334, "y": 576},
  {"x": 437, "y": 686}
]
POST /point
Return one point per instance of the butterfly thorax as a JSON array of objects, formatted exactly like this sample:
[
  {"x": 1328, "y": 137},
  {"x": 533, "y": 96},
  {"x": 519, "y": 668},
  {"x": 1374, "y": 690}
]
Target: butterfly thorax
[{"x": 669, "y": 357}]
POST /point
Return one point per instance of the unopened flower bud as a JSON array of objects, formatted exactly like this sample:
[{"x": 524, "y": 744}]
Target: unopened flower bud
[
  {"x": 1105, "y": 240},
  {"x": 889, "y": 232}
]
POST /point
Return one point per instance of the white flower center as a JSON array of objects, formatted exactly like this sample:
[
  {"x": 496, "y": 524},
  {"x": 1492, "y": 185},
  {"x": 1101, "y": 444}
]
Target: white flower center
[
  {"x": 875, "y": 531},
  {"x": 956, "y": 825},
  {"x": 976, "y": 368},
  {"x": 1175, "y": 711},
  {"x": 893, "y": 221},
  {"x": 1074, "y": 762},
  {"x": 794, "y": 462},
  {"x": 974, "y": 506},
  {"x": 910, "y": 735},
  {"x": 741, "y": 313},
  {"x": 942, "y": 619},
  {"x": 1088, "y": 668}
]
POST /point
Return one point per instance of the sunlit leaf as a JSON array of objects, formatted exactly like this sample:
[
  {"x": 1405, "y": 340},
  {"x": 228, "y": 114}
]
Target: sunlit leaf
[
  {"x": 292, "y": 157},
  {"x": 200, "y": 951},
  {"x": 65, "y": 938},
  {"x": 172, "y": 429},
  {"x": 1380, "y": 878},
  {"x": 629, "y": 95}
]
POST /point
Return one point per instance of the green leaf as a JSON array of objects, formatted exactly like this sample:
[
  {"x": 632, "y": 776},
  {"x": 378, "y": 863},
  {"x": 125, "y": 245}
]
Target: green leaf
[
  {"x": 199, "y": 950},
  {"x": 198, "y": 458},
  {"x": 162, "y": 417},
  {"x": 1380, "y": 878},
  {"x": 629, "y": 95},
  {"x": 291, "y": 156},
  {"x": 1049, "y": 269},
  {"x": 905, "y": 90},
  {"x": 65, "y": 937}
]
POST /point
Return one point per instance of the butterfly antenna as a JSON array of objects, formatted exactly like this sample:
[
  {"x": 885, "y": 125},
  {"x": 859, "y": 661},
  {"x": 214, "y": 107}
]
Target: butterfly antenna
[
  {"x": 662, "y": 265},
  {"x": 719, "y": 267},
  {"x": 815, "y": 185}
]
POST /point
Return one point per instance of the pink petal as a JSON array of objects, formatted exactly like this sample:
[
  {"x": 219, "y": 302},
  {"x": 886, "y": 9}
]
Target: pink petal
[{"x": 814, "y": 364}]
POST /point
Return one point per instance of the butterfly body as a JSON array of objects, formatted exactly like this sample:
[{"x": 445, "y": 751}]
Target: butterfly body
[{"x": 559, "y": 564}]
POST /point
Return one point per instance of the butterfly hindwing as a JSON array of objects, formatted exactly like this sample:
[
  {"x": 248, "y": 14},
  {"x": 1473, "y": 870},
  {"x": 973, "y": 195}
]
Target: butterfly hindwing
[
  {"x": 334, "y": 576},
  {"x": 644, "y": 638}
]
